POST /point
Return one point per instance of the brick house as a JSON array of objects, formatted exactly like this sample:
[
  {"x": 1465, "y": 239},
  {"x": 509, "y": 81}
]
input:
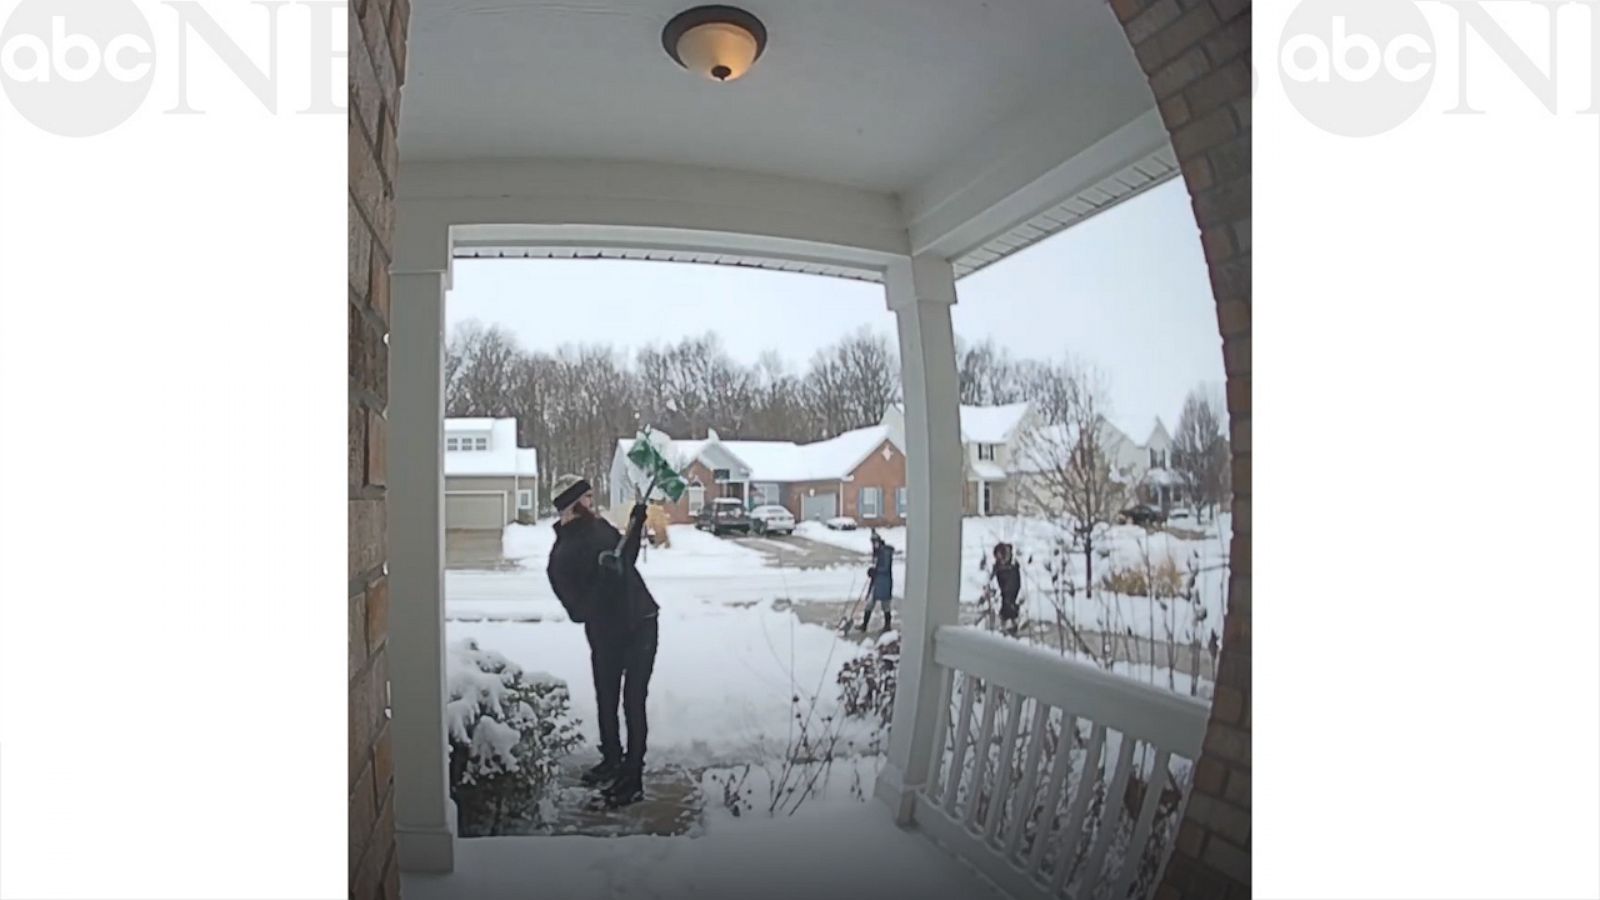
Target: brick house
[{"x": 860, "y": 474}]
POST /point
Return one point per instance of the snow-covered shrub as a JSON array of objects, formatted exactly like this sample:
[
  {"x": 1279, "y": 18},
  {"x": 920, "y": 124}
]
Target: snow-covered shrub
[
  {"x": 866, "y": 684},
  {"x": 509, "y": 731}
]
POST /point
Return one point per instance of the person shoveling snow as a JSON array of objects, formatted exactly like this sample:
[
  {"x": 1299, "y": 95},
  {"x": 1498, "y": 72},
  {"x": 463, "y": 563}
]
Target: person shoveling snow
[
  {"x": 593, "y": 571},
  {"x": 880, "y": 585}
]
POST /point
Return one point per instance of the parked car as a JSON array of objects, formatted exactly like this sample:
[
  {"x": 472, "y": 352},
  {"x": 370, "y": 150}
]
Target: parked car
[
  {"x": 1143, "y": 515},
  {"x": 841, "y": 523},
  {"x": 771, "y": 519},
  {"x": 723, "y": 515}
]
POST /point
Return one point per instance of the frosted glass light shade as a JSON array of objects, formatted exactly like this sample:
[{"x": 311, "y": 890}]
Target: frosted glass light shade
[
  {"x": 718, "y": 50},
  {"x": 720, "y": 43}
]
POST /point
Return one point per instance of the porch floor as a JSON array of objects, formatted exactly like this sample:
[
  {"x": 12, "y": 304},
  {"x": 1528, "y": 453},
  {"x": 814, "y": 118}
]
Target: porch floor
[{"x": 835, "y": 852}]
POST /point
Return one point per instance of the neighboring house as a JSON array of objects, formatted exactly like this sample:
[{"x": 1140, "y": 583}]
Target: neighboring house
[
  {"x": 860, "y": 474},
  {"x": 1145, "y": 467},
  {"x": 991, "y": 451},
  {"x": 488, "y": 480}
]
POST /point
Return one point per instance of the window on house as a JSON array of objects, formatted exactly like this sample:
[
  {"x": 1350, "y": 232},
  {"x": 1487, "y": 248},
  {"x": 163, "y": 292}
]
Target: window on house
[
  {"x": 466, "y": 443},
  {"x": 524, "y": 499},
  {"x": 986, "y": 452},
  {"x": 1155, "y": 462},
  {"x": 697, "y": 499},
  {"x": 900, "y": 502},
  {"x": 871, "y": 503},
  {"x": 721, "y": 474}
]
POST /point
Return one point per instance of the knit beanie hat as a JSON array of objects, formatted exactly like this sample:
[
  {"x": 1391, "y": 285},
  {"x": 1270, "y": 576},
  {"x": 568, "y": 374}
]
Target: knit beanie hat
[{"x": 569, "y": 489}]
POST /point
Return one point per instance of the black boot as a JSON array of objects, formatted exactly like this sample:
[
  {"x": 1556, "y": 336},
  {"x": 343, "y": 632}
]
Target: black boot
[
  {"x": 885, "y": 622},
  {"x": 628, "y": 788},
  {"x": 865, "y": 619},
  {"x": 604, "y": 773}
]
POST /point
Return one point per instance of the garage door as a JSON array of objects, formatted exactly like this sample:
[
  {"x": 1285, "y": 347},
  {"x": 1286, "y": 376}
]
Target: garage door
[
  {"x": 475, "y": 511},
  {"x": 819, "y": 507}
]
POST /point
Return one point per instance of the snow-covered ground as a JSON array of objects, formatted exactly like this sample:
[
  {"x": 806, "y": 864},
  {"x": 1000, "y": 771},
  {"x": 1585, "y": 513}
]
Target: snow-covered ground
[
  {"x": 729, "y": 663},
  {"x": 1036, "y": 540}
]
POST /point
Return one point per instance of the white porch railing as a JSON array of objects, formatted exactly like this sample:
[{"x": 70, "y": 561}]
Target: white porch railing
[{"x": 1020, "y": 787}]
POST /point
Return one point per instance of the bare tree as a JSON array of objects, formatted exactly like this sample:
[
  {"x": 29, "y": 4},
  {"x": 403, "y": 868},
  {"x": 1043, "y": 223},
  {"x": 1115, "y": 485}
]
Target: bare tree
[
  {"x": 852, "y": 382},
  {"x": 1074, "y": 474},
  {"x": 590, "y": 404},
  {"x": 693, "y": 386},
  {"x": 1200, "y": 449},
  {"x": 480, "y": 369},
  {"x": 986, "y": 375},
  {"x": 779, "y": 412}
]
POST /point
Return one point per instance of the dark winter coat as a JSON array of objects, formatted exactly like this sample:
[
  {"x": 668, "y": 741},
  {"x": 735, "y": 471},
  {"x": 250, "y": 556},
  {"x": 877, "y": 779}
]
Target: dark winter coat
[
  {"x": 882, "y": 572},
  {"x": 605, "y": 601},
  {"x": 1009, "y": 577}
]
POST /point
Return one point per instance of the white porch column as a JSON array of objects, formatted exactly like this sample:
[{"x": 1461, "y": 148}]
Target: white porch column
[
  {"x": 921, "y": 291},
  {"x": 424, "y": 814}
]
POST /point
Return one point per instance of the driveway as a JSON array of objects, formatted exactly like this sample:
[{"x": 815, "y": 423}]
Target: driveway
[{"x": 792, "y": 552}]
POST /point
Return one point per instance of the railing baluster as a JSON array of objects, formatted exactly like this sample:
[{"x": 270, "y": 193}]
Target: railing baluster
[
  {"x": 1079, "y": 807},
  {"x": 980, "y": 757},
  {"x": 1005, "y": 800},
  {"x": 1030, "y": 778},
  {"x": 958, "y": 758},
  {"x": 1110, "y": 817},
  {"x": 1002, "y": 776},
  {"x": 1058, "y": 777},
  {"x": 1141, "y": 831},
  {"x": 940, "y": 727}
]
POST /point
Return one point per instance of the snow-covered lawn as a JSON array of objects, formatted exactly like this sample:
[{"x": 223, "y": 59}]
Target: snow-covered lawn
[
  {"x": 729, "y": 663},
  {"x": 1035, "y": 541}
]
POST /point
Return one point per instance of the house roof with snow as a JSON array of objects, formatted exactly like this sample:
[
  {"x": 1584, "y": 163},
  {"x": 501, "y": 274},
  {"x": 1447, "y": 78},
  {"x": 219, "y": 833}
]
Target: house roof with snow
[
  {"x": 781, "y": 461},
  {"x": 502, "y": 458},
  {"x": 992, "y": 424},
  {"x": 986, "y": 424}
]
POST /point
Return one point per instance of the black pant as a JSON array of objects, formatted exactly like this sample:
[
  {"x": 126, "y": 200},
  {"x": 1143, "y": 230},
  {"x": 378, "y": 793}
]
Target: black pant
[{"x": 622, "y": 662}]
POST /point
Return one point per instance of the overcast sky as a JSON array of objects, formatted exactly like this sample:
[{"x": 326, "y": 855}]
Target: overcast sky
[{"x": 1126, "y": 290}]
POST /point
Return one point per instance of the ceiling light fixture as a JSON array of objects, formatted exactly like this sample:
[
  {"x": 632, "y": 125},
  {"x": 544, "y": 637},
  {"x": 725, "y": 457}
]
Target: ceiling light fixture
[{"x": 718, "y": 42}]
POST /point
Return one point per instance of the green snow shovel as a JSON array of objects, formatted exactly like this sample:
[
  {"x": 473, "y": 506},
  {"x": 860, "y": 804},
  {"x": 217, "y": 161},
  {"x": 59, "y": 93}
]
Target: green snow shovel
[{"x": 648, "y": 458}]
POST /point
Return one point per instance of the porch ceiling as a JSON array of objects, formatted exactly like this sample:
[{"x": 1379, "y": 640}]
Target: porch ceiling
[{"x": 961, "y": 116}]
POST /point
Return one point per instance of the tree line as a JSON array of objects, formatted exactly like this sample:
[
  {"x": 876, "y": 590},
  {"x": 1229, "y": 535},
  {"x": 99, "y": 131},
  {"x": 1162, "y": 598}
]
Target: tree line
[{"x": 572, "y": 404}]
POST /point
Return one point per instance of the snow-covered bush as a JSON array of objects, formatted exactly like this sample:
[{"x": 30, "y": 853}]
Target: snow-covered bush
[
  {"x": 509, "y": 731},
  {"x": 866, "y": 684}
]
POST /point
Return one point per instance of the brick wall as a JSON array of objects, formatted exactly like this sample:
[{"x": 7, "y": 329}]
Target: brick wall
[
  {"x": 1197, "y": 56},
  {"x": 888, "y": 475},
  {"x": 377, "y": 63},
  {"x": 875, "y": 471}
]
